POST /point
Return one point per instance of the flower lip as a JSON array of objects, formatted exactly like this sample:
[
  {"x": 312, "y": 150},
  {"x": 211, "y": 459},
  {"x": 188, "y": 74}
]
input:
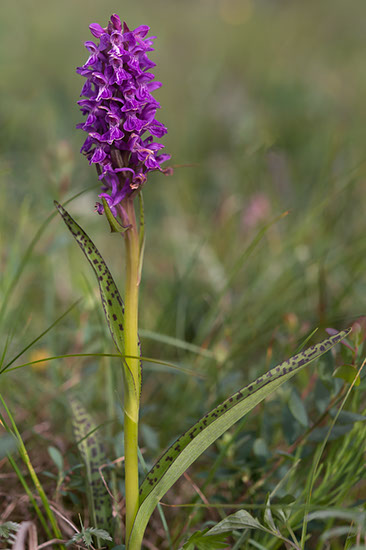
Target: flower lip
[{"x": 120, "y": 109}]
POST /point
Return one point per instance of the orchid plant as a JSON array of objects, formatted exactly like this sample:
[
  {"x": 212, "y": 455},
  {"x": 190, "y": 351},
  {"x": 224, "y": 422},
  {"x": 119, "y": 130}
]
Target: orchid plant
[{"x": 121, "y": 142}]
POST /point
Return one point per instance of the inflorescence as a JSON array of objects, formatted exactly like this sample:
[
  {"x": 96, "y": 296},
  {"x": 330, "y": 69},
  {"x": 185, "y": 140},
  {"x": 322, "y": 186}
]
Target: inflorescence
[{"x": 120, "y": 109}]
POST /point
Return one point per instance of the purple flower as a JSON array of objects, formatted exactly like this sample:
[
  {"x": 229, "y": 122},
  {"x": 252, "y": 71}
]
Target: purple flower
[{"x": 120, "y": 110}]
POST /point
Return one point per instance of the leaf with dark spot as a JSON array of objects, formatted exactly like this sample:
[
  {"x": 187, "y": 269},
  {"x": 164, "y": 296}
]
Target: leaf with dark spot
[
  {"x": 189, "y": 446},
  {"x": 111, "y": 298}
]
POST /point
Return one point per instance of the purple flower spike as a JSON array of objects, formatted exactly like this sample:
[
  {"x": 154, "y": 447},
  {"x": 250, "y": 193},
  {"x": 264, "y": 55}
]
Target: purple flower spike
[{"x": 119, "y": 110}]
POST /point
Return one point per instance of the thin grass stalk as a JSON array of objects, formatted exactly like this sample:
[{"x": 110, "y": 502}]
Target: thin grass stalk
[
  {"x": 25, "y": 457},
  {"x": 30, "y": 496},
  {"x": 238, "y": 544},
  {"x": 152, "y": 360},
  {"x": 39, "y": 337}
]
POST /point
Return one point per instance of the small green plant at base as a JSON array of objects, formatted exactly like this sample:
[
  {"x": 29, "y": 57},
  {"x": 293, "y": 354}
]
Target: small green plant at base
[
  {"x": 8, "y": 530},
  {"x": 86, "y": 536}
]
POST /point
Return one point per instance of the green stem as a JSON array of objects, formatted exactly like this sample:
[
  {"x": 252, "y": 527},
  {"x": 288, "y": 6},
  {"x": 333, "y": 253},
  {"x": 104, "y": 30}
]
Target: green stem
[{"x": 131, "y": 390}]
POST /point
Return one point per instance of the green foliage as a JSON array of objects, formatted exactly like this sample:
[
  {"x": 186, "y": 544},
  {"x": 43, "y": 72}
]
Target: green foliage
[
  {"x": 189, "y": 446},
  {"x": 86, "y": 536},
  {"x": 298, "y": 409},
  {"x": 57, "y": 458},
  {"x": 240, "y": 520},
  {"x": 348, "y": 373},
  {"x": 355, "y": 525},
  {"x": 7, "y": 530},
  {"x": 200, "y": 540}
]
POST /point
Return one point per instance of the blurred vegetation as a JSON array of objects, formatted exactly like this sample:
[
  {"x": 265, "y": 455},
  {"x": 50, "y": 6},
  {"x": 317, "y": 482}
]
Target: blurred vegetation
[{"x": 264, "y": 102}]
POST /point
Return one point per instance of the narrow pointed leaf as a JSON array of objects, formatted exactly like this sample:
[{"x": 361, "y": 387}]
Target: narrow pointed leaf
[
  {"x": 239, "y": 520},
  {"x": 189, "y": 446},
  {"x": 114, "y": 224},
  {"x": 111, "y": 298}
]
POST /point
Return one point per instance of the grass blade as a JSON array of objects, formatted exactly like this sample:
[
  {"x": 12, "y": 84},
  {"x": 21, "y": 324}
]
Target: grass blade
[
  {"x": 39, "y": 337},
  {"x": 25, "y": 457},
  {"x": 164, "y": 365},
  {"x": 30, "y": 496},
  {"x": 189, "y": 446}
]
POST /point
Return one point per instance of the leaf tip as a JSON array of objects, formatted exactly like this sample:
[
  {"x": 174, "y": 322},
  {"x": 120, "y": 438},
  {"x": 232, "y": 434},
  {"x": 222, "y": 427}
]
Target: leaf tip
[{"x": 59, "y": 207}]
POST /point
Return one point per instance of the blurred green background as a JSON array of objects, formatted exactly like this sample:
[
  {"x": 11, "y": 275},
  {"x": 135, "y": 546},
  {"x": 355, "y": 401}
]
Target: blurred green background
[
  {"x": 265, "y": 101},
  {"x": 265, "y": 106}
]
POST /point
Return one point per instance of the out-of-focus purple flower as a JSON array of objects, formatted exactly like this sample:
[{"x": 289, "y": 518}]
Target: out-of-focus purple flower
[
  {"x": 120, "y": 110},
  {"x": 257, "y": 211}
]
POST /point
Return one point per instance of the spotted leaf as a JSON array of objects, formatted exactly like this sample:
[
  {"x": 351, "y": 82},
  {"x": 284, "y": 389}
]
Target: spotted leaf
[
  {"x": 189, "y": 446},
  {"x": 111, "y": 298}
]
